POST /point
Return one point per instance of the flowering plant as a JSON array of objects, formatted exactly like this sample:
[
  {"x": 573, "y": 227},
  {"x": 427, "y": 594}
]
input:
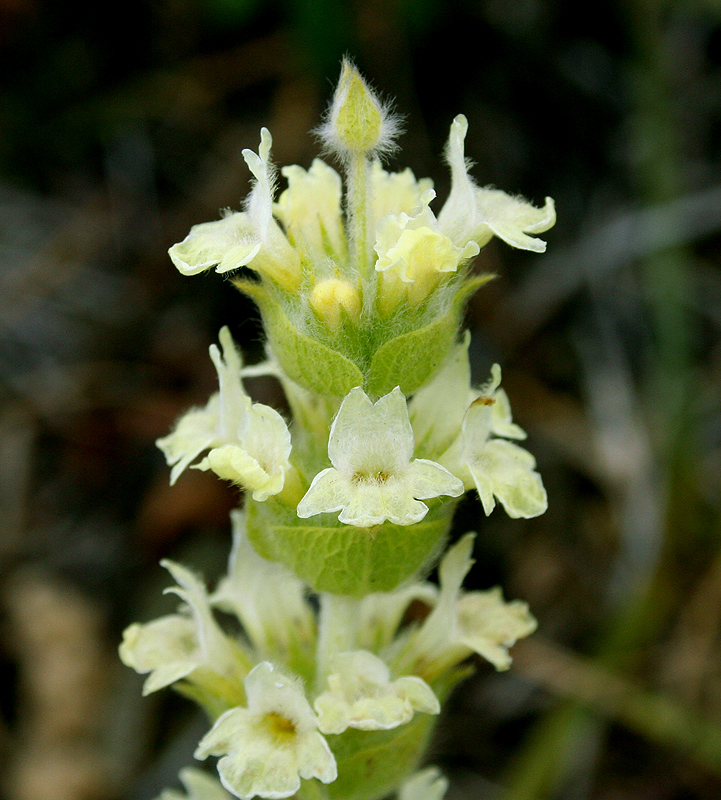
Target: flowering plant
[{"x": 328, "y": 692}]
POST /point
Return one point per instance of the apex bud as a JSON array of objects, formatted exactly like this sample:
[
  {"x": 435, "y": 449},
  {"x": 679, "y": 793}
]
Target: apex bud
[{"x": 357, "y": 121}]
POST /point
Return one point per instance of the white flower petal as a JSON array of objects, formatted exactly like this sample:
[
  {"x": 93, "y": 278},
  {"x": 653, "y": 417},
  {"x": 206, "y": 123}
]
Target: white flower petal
[
  {"x": 380, "y": 613},
  {"x": 438, "y": 631},
  {"x": 457, "y": 218},
  {"x": 498, "y": 468},
  {"x": 506, "y": 470},
  {"x": 371, "y": 437},
  {"x": 474, "y": 214},
  {"x": 260, "y": 200},
  {"x": 257, "y": 759},
  {"x": 436, "y": 411},
  {"x": 373, "y": 478},
  {"x": 329, "y": 491},
  {"x": 502, "y": 420},
  {"x": 512, "y": 218},
  {"x": 414, "y": 247},
  {"x": 174, "y": 646},
  {"x": 276, "y": 258},
  {"x": 233, "y": 463},
  {"x": 215, "y": 649},
  {"x": 373, "y": 502},
  {"x": 461, "y": 623},
  {"x": 226, "y": 733},
  {"x": 249, "y": 443},
  {"x": 265, "y": 436},
  {"x": 194, "y": 432},
  {"x": 203, "y": 428},
  {"x": 234, "y": 401},
  {"x": 477, "y": 426},
  {"x": 166, "y": 647},
  {"x": 426, "y": 479},
  {"x": 268, "y": 747},
  {"x": 310, "y": 209},
  {"x": 413, "y": 253},
  {"x": 226, "y": 244},
  {"x": 489, "y": 626},
  {"x": 428, "y": 784},
  {"x": 260, "y": 461},
  {"x": 270, "y": 692},
  {"x": 361, "y": 695},
  {"x": 396, "y": 192}
]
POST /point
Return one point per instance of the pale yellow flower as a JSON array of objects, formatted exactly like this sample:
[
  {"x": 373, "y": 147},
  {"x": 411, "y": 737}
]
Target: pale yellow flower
[
  {"x": 248, "y": 443},
  {"x": 251, "y": 238},
  {"x": 269, "y": 746},
  {"x": 428, "y": 784},
  {"x": 361, "y": 695},
  {"x": 374, "y": 477},
  {"x": 482, "y": 456},
  {"x": 310, "y": 210},
  {"x": 413, "y": 254},
  {"x": 283, "y": 631},
  {"x": 474, "y": 214},
  {"x": 462, "y": 623},
  {"x": 175, "y": 646},
  {"x": 395, "y": 192}
]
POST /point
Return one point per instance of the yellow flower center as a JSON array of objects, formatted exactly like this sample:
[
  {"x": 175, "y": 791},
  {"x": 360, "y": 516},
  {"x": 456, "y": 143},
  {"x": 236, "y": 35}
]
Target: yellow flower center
[{"x": 280, "y": 728}]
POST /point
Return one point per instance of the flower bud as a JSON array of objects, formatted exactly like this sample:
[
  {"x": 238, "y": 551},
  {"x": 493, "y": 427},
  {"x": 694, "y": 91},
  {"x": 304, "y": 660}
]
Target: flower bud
[
  {"x": 357, "y": 122},
  {"x": 330, "y": 296}
]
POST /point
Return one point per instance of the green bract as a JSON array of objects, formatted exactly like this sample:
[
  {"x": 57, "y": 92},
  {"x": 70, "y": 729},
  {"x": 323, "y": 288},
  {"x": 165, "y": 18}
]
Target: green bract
[
  {"x": 343, "y": 559},
  {"x": 322, "y": 691},
  {"x": 306, "y": 359}
]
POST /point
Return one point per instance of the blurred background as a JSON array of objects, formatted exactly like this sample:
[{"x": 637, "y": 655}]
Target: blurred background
[{"x": 123, "y": 125}]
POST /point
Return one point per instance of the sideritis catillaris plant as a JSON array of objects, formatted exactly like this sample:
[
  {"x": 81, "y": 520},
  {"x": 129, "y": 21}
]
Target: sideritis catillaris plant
[{"x": 350, "y": 501}]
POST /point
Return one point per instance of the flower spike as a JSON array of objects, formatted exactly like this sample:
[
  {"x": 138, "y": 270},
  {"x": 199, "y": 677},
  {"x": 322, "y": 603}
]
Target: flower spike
[{"x": 324, "y": 665}]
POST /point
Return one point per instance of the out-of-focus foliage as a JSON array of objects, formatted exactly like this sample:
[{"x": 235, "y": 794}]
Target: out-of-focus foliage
[{"x": 121, "y": 126}]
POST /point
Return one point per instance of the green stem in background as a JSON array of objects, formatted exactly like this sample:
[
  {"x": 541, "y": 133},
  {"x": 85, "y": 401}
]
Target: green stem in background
[
  {"x": 534, "y": 773},
  {"x": 665, "y": 275},
  {"x": 591, "y": 695},
  {"x": 543, "y": 764}
]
